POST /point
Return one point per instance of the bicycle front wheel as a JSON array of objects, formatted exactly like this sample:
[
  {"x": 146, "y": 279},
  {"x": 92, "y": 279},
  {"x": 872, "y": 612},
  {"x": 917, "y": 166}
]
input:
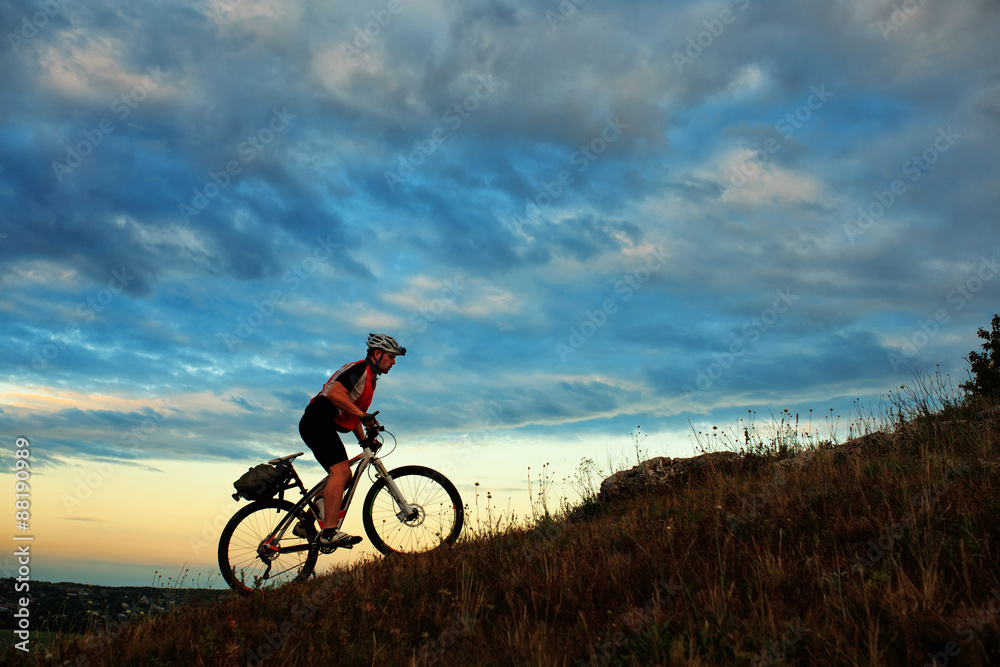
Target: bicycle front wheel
[
  {"x": 246, "y": 566},
  {"x": 439, "y": 513}
]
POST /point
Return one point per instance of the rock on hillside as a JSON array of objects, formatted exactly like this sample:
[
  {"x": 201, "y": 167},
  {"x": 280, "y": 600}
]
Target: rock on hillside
[{"x": 663, "y": 472}]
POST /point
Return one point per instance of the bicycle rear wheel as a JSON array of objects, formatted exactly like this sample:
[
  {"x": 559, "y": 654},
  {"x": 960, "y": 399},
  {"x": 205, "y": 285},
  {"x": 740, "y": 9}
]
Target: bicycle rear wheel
[
  {"x": 240, "y": 560},
  {"x": 439, "y": 512}
]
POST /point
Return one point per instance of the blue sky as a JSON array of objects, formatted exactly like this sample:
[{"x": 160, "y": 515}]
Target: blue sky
[{"x": 579, "y": 217}]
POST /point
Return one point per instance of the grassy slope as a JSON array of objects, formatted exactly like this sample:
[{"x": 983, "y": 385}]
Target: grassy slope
[{"x": 881, "y": 552}]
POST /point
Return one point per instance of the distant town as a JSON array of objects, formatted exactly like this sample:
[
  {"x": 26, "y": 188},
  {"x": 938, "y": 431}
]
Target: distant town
[{"x": 70, "y": 607}]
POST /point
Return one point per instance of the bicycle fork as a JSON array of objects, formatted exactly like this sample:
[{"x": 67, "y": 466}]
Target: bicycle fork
[{"x": 406, "y": 511}]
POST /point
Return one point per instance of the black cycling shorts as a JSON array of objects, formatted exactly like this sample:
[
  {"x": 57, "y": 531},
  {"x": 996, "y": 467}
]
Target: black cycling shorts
[{"x": 319, "y": 431}]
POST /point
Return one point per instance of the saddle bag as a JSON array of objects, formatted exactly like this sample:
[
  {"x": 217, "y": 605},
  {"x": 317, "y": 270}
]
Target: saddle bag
[{"x": 260, "y": 482}]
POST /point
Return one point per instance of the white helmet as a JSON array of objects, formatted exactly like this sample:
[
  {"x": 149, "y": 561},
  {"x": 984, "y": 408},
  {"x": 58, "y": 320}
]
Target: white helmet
[{"x": 385, "y": 343}]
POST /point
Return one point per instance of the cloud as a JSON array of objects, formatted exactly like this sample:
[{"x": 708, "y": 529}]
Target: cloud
[{"x": 544, "y": 164}]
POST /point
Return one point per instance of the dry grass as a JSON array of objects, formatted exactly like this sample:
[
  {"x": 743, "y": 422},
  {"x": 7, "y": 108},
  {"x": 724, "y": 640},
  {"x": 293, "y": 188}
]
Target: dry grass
[{"x": 879, "y": 552}]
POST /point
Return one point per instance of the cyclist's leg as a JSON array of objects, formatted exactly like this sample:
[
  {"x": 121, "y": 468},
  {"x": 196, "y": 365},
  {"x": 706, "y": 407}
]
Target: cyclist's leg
[
  {"x": 320, "y": 434},
  {"x": 333, "y": 492}
]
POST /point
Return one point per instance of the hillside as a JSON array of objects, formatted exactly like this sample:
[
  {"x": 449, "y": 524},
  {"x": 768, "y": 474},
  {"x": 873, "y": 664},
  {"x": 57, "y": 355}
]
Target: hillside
[{"x": 878, "y": 551}]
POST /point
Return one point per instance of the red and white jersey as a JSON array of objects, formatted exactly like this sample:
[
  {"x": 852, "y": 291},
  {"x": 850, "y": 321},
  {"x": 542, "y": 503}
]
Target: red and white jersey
[{"x": 359, "y": 380}]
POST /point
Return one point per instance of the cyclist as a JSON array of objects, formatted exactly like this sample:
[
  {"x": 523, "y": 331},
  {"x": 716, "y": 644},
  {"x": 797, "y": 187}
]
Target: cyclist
[{"x": 341, "y": 407}]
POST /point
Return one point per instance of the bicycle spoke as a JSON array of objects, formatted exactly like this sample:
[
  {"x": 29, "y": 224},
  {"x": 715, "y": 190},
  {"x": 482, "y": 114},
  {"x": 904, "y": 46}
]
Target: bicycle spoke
[
  {"x": 438, "y": 512},
  {"x": 242, "y": 566}
]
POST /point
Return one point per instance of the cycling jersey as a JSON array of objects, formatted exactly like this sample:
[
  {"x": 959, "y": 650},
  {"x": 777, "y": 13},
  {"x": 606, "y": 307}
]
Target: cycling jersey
[{"x": 359, "y": 380}]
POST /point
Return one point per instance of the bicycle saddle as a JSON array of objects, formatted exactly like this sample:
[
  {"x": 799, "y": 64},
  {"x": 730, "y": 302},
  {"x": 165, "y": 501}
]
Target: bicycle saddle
[{"x": 289, "y": 459}]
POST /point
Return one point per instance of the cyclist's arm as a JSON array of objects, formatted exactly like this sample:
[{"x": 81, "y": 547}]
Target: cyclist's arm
[{"x": 337, "y": 394}]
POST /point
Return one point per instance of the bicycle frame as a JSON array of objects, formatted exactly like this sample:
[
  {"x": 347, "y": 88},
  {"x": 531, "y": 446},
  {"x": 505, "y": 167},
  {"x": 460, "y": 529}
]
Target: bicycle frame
[
  {"x": 363, "y": 460},
  {"x": 410, "y": 509}
]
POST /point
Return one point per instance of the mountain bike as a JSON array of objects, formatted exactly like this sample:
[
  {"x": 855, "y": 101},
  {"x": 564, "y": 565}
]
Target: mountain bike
[{"x": 273, "y": 541}]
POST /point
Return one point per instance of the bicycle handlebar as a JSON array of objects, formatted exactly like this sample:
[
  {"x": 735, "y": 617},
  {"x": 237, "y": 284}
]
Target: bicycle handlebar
[{"x": 371, "y": 431}]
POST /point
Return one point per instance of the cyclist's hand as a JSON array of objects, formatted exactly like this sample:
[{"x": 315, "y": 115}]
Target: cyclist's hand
[{"x": 368, "y": 420}]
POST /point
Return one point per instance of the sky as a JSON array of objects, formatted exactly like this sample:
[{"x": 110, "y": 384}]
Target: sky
[{"x": 580, "y": 217}]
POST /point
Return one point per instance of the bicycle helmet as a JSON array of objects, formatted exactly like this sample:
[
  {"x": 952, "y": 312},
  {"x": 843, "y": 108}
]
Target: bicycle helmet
[{"x": 385, "y": 343}]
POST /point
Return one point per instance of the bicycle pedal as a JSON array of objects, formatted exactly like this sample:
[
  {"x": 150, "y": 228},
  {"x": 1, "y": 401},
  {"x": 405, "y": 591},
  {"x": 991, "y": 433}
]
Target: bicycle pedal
[{"x": 347, "y": 544}]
